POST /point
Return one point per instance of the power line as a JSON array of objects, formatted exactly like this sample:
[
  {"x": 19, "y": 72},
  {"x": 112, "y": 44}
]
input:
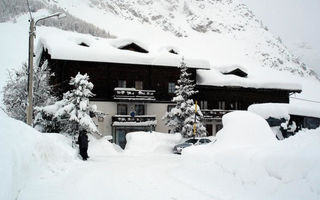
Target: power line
[{"x": 305, "y": 100}]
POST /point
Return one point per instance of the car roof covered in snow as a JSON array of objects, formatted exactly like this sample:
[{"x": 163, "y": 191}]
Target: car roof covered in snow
[{"x": 65, "y": 45}]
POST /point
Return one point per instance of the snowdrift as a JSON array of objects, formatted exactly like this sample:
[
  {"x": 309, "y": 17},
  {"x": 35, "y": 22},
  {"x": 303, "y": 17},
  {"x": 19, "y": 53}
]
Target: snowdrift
[
  {"x": 102, "y": 147},
  {"x": 146, "y": 142},
  {"x": 247, "y": 162},
  {"x": 26, "y": 152}
]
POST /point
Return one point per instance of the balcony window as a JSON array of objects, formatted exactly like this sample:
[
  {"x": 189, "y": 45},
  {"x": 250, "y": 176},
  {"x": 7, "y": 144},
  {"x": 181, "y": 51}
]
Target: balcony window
[
  {"x": 122, "y": 109},
  {"x": 204, "y": 104},
  {"x": 171, "y": 87},
  {"x": 139, "y": 85},
  {"x": 122, "y": 83},
  {"x": 139, "y": 109},
  {"x": 222, "y": 105}
]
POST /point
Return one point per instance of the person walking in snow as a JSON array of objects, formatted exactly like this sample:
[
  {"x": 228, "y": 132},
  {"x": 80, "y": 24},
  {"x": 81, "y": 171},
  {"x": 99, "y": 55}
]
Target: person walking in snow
[{"x": 83, "y": 144}]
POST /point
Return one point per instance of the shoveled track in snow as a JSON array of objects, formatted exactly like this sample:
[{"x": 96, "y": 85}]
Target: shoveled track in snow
[{"x": 115, "y": 177}]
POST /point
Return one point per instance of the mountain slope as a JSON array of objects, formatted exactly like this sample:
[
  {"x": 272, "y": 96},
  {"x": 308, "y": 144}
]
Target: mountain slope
[
  {"x": 193, "y": 21},
  {"x": 221, "y": 31}
]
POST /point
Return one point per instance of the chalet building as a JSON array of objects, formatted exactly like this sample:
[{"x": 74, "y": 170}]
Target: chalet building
[{"x": 134, "y": 84}]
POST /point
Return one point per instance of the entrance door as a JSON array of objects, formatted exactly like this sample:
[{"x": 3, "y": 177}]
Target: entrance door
[
  {"x": 121, "y": 138},
  {"x": 209, "y": 129}
]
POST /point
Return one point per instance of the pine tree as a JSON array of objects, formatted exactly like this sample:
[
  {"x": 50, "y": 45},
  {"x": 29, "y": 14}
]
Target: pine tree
[
  {"x": 182, "y": 117},
  {"x": 15, "y": 90},
  {"x": 71, "y": 114}
]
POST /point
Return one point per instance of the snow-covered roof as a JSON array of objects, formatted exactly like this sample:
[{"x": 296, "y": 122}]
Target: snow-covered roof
[
  {"x": 275, "y": 110},
  {"x": 225, "y": 69},
  {"x": 66, "y": 45},
  {"x": 282, "y": 110},
  {"x": 258, "y": 77}
]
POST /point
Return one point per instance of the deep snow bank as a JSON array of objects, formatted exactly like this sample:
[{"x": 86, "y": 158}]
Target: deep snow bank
[
  {"x": 146, "y": 142},
  {"x": 244, "y": 129},
  {"x": 247, "y": 162},
  {"x": 24, "y": 153},
  {"x": 102, "y": 147}
]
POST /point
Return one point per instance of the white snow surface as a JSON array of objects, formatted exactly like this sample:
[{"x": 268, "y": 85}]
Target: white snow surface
[
  {"x": 257, "y": 78},
  {"x": 241, "y": 165},
  {"x": 26, "y": 153},
  {"x": 151, "y": 142},
  {"x": 275, "y": 110},
  {"x": 282, "y": 110},
  {"x": 246, "y": 162},
  {"x": 64, "y": 45}
]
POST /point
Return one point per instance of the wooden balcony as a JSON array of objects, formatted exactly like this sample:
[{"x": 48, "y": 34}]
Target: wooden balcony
[
  {"x": 139, "y": 120},
  {"x": 214, "y": 113},
  {"x": 132, "y": 94}
]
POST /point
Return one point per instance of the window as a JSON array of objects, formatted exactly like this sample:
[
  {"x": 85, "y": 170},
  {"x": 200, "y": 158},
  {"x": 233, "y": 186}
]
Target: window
[
  {"x": 222, "y": 105},
  {"x": 204, "y": 104},
  {"x": 204, "y": 141},
  {"x": 122, "y": 109},
  {"x": 139, "y": 109},
  {"x": 171, "y": 87},
  {"x": 139, "y": 85},
  {"x": 122, "y": 83},
  {"x": 169, "y": 108}
]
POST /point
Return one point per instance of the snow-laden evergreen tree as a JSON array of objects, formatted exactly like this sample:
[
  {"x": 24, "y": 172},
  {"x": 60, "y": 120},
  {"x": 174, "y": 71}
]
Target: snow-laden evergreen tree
[
  {"x": 181, "y": 118},
  {"x": 15, "y": 91},
  {"x": 71, "y": 114}
]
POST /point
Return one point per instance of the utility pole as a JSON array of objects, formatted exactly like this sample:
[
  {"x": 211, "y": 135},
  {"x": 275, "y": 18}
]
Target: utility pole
[
  {"x": 30, "y": 72},
  {"x": 32, "y": 35}
]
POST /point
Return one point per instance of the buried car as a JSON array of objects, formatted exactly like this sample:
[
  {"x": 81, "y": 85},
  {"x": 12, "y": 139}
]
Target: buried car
[{"x": 191, "y": 142}]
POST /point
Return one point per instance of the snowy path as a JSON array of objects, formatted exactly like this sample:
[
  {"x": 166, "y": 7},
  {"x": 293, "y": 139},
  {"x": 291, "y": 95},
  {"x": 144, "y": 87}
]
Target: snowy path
[{"x": 117, "y": 177}]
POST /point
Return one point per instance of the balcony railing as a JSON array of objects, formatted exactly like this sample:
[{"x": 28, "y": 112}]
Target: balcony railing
[
  {"x": 214, "y": 113},
  {"x": 132, "y": 94},
  {"x": 138, "y": 120}
]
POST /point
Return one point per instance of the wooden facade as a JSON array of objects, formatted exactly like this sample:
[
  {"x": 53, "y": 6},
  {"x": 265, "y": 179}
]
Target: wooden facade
[
  {"x": 117, "y": 83},
  {"x": 238, "y": 98},
  {"x": 105, "y": 77}
]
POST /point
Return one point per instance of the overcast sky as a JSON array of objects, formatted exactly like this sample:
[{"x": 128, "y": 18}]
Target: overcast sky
[{"x": 295, "y": 21}]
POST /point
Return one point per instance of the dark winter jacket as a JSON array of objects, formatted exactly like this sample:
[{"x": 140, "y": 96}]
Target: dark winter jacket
[{"x": 83, "y": 141}]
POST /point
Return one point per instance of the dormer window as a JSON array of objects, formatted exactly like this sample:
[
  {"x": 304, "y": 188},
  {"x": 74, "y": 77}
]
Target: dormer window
[
  {"x": 237, "y": 72},
  {"x": 138, "y": 85},
  {"x": 122, "y": 83},
  {"x": 133, "y": 47},
  {"x": 83, "y": 44},
  {"x": 173, "y": 51}
]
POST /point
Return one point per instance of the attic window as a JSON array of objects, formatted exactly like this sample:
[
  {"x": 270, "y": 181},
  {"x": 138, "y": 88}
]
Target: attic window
[
  {"x": 83, "y": 44},
  {"x": 237, "y": 72},
  {"x": 173, "y": 51},
  {"x": 134, "y": 47}
]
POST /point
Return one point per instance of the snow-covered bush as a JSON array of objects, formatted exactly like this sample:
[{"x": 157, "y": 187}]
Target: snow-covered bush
[
  {"x": 71, "y": 114},
  {"x": 182, "y": 117},
  {"x": 15, "y": 91}
]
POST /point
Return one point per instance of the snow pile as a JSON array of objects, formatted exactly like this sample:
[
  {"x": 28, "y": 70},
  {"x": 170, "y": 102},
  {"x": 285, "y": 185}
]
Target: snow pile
[
  {"x": 257, "y": 78},
  {"x": 242, "y": 165},
  {"x": 229, "y": 68},
  {"x": 244, "y": 129},
  {"x": 102, "y": 147},
  {"x": 146, "y": 142},
  {"x": 25, "y": 153},
  {"x": 282, "y": 110},
  {"x": 310, "y": 109},
  {"x": 275, "y": 110},
  {"x": 96, "y": 49}
]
